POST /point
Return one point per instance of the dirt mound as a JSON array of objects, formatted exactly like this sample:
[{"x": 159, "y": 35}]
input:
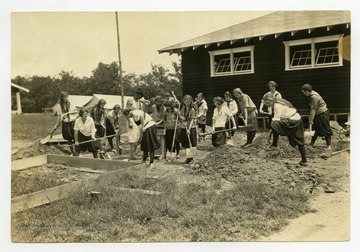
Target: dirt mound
[
  {"x": 37, "y": 149},
  {"x": 239, "y": 165}
]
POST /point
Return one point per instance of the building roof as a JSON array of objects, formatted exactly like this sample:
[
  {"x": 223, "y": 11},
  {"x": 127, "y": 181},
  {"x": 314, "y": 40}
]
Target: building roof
[
  {"x": 13, "y": 85},
  {"x": 272, "y": 24}
]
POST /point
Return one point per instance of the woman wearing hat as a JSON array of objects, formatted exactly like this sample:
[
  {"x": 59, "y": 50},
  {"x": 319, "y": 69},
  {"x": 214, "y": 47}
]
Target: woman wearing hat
[
  {"x": 138, "y": 101},
  {"x": 287, "y": 122}
]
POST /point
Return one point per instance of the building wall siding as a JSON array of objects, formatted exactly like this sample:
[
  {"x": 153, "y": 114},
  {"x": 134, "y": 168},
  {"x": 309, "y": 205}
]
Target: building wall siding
[{"x": 332, "y": 83}]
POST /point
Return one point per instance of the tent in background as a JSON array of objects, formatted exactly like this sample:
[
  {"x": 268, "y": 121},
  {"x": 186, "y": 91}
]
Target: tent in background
[
  {"x": 76, "y": 100},
  {"x": 111, "y": 100}
]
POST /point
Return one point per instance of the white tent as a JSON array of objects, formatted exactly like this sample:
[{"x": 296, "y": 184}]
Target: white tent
[
  {"x": 111, "y": 100},
  {"x": 75, "y": 100}
]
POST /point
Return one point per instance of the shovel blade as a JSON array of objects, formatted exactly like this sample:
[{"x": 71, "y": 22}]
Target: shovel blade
[
  {"x": 45, "y": 139},
  {"x": 230, "y": 142}
]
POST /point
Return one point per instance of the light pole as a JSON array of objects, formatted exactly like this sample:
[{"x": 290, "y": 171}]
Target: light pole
[{"x": 119, "y": 55}]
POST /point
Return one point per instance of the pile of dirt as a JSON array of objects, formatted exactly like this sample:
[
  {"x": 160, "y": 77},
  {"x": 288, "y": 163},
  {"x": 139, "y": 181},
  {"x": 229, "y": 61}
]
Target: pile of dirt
[
  {"x": 37, "y": 149},
  {"x": 239, "y": 165}
]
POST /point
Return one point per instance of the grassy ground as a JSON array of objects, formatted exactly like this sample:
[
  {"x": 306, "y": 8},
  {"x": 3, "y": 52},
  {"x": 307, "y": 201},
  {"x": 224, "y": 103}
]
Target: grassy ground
[
  {"x": 183, "y": 212},
  {"x": 186, "y": 211},
  {"x": 32, "y": 126}
]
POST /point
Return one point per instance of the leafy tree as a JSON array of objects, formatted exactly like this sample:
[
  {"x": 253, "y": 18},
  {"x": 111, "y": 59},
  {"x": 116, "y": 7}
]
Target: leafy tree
[{"x": 44, "y": 91}]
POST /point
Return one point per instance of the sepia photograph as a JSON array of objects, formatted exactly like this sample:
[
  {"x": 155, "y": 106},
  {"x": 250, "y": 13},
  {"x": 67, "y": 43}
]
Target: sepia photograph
[{"x": 181, "y": 126}]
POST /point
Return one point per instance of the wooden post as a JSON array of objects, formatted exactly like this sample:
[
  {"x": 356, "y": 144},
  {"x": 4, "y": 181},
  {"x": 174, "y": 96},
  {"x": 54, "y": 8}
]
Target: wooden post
[{"x": 18, "y": 103}]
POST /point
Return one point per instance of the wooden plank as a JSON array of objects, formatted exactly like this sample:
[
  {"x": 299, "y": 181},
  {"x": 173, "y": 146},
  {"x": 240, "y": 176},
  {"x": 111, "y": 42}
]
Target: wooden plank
[
  {"x": 49, "y": 195},
  {"x": 148, "y": 192},
  {"x": 89, "y": 170},
  {"x": 26, "y": 163},
  {"x": 88, "y": 162}
]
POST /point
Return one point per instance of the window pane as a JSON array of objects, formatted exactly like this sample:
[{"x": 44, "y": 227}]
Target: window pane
[
  {"x": 300, "y": 55},
  {"x": 243, "y": 63},
  {"x": 328, "y": 53},
  {"x": 222, "y": 63}
]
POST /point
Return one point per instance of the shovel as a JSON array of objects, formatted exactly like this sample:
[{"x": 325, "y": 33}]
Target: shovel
[{"x": 47, "y": 139}]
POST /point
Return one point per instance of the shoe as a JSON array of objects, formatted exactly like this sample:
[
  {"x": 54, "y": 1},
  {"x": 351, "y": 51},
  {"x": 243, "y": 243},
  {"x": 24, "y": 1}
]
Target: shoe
[
  {"x": 177, "y": 156},
  {"x": 244, "y": 145},
  {"x": 189, "y": 160},
  {"x": 271, "y": 147},
  {"x": 152, "y": 167},
  {"x": 302, "y": 163}
]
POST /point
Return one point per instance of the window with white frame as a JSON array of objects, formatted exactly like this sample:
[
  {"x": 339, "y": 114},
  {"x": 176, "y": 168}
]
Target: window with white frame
[
  {"x": 313, "y": 53},
  {"x": 232, "y": 61}
]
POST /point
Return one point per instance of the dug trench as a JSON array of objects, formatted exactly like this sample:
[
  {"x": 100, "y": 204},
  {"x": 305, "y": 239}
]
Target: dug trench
[{"x": 227, "y": 167}]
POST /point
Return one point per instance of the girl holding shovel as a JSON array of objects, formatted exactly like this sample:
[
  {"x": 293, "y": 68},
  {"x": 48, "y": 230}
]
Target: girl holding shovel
[
  {"x": 221, "y": 116},
  {"x": 171, "y": 125},
  {"x": 187, "y": 115},
  {"x": 149, "y": 141},
  {"x": 67, "y": 116}
]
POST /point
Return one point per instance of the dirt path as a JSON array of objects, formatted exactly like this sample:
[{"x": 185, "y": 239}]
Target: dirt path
[{"x": 331, "y": 220}]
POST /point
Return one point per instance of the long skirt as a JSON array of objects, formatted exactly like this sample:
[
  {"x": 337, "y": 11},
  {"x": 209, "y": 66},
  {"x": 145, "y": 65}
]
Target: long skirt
[
  {"x": 169, "y": 135},
  {"x": 100, "y": 132},
  {"x": 322, "y": 124},
  {"x": 109, "y": 128},
  {"x": 90, "y": 146},
  {"x": 252, "y": 121},
  {"x": 219, "y": 138},
  {"x": 67, "y": 130},
  {"x": 293, "y": 129},
  {"x": 149, "y": 141},
  {"x": 185, "y": 138},
  {"x": 229, "y": 125}
]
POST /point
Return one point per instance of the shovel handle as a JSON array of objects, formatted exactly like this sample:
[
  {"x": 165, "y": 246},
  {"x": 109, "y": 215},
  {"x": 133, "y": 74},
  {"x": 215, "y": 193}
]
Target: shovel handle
[
  {"x": 210, "y": 133},
  {"x": 96, "y": 139}
]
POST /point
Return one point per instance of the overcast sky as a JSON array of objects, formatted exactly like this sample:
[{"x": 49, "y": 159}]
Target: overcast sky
[{"x": 46, "y": 43}]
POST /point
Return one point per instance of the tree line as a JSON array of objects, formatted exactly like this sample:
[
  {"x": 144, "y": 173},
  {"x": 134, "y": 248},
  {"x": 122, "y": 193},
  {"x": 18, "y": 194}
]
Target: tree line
[{"x": 105, "y": 79}]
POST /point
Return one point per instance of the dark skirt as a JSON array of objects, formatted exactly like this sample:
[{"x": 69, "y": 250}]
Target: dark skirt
[
  {"x": 149, "y": 141},
  {"x": 90, "y": 146},
  {"x": 67, "y": 130},
  {"x": 169, "y": 135},
  {"x": 109, "y": 128},
  {"x": 294, "y": 130},
  {"x": 252, "y": 121},
  {"x": 185, "y": 138},
  {"x": 218, "y": 139},
  {"x": 100, "y": 131},
  {"x": 322, "y": 124},
  {"x": 229, "y": 125}
]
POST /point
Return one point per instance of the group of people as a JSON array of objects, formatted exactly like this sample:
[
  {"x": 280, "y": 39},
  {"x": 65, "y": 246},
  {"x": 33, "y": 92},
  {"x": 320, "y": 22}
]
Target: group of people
[{"x": 183, "y": 122}]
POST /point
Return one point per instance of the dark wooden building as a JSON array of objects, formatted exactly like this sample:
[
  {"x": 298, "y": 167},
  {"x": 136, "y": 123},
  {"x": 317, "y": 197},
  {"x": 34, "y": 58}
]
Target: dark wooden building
[{"x": 289, "y": 47}]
